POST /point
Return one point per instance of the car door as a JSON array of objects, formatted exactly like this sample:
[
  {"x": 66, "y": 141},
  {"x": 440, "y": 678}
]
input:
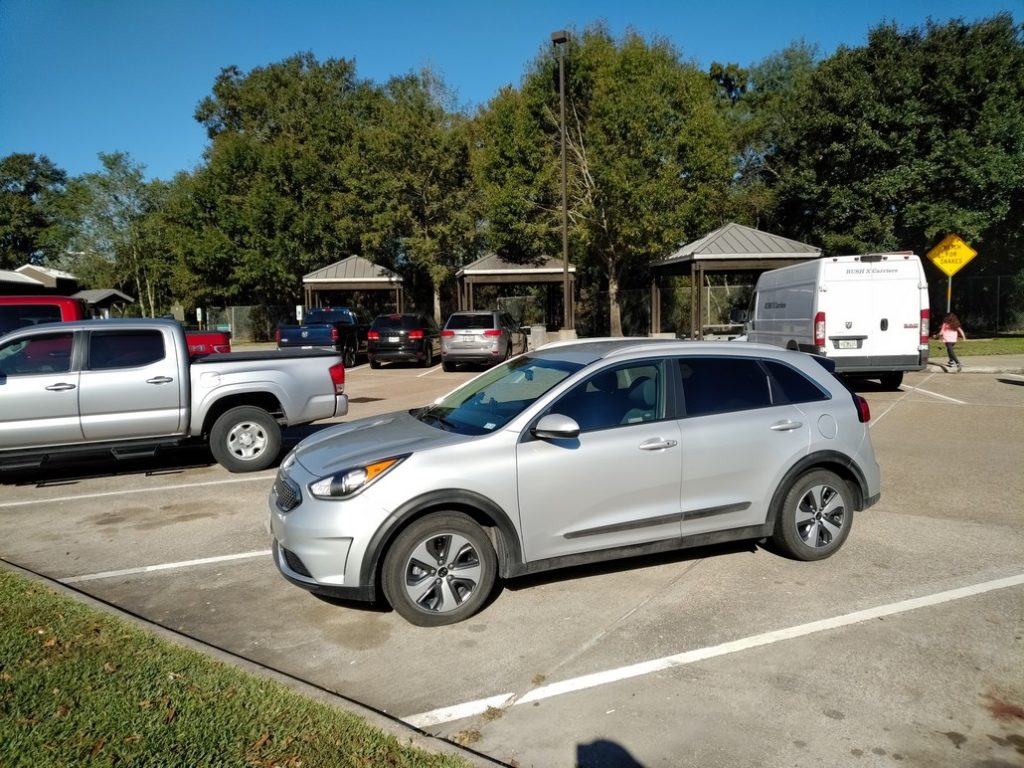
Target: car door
[
  {"x": 736, "y": 444},
  {"x": 618, "y": 483},
  {"x": 38, "y": 392},
  {"x": 130, "y": 386}
]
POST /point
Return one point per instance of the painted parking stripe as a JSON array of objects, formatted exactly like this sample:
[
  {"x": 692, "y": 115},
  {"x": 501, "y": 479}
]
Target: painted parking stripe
[
  {"x": 471, "y": 708},
  {"x": 935, "y": 394},
  {"x": 155, "y": 489},
  {"x": 164, "y": 567}
]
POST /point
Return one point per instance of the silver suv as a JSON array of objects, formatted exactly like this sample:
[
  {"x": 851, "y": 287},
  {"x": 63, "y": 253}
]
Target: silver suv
[
  {"x": 576, "y": 452},
  {"x": 483, "y": 338}
]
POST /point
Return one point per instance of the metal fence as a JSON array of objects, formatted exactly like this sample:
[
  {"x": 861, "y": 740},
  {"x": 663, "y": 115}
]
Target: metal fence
[{"x": 984, "y": 303}]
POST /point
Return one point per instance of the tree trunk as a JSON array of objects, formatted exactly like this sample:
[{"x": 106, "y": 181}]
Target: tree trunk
[
  {"x": 437, "y": 305},
  {"x": 614, "y": 310}
]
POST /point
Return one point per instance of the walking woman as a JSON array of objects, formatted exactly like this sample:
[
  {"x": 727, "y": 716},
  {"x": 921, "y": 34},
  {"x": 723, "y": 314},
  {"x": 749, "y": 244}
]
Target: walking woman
[{"x": 950, "y": 332}]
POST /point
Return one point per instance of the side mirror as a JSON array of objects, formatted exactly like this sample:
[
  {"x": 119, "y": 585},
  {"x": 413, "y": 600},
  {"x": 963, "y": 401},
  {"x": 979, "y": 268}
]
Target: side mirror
[
  {"x": 738, "y": 315},
  {"x": 556, "y": 426}
]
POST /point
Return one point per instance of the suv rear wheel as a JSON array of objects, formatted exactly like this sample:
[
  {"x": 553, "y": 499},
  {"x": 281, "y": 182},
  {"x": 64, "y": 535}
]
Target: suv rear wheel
[
  {"x": 439, "y": 570},
  {"x": 816, "y": 516}
]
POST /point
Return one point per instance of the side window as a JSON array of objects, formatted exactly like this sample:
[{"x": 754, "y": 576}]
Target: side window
[
  {"x": 790, "y": 386},
  {"x": 618, "y": 396},
  {"x": 40, "y": 354},
  {"x": 722, "y": 384},
  {"x": 124, "y": 349}
]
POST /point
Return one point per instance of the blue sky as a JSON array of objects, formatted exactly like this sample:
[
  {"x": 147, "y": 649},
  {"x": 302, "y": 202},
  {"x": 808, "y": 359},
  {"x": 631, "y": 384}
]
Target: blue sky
[{"x": 79, "y": 77}]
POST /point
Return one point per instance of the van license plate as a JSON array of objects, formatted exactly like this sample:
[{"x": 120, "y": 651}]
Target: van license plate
[{"x": 847, "y": 343}]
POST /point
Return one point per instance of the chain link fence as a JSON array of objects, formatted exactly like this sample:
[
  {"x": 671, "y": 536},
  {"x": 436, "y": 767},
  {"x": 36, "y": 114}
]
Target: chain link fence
[{"x": 984, "y": 303}]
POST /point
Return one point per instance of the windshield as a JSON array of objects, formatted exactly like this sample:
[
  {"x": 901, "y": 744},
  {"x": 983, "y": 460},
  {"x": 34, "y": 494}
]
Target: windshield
[{"x": 491, "y": 401}]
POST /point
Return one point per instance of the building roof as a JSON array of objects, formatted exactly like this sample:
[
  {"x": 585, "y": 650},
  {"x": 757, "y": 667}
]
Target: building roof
[
  {"x": 103, "y": 296},
  {"x": 7, "y": 276},
  {"x": 493, "y": 264},
  {"x": 354, "y": 269},
  {"x": 735, "y": 241}
]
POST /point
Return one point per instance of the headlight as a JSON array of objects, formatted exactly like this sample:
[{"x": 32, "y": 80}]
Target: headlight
[{"x": 350, "y": 481}]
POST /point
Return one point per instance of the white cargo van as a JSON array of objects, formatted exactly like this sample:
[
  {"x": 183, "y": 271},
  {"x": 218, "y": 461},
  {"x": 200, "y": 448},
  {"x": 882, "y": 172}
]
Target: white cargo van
[{"x": 867, "y": 313}]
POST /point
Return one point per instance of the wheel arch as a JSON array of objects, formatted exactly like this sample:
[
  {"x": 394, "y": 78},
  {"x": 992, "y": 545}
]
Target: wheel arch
[
  {"x": 489, "y": 515},
  {"x": 263, "y": 400},
  {"x": 830, "y": 460}
]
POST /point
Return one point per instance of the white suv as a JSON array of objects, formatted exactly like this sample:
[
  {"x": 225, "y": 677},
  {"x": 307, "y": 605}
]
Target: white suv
[{"x": 576, "y": 452}]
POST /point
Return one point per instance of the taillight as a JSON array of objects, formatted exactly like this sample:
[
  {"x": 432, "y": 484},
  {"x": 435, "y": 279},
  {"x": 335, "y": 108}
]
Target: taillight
[
  {"x": 447, "y": 333},
  {"x": 925, "y": 320},
  {"x": 337, "y": 372},
  {"x": 373, "y": 336},
  {"x": 493, "y": 332},
  {"x": 863, "y": 411},
  {"x": 222, "y": 347},
  {"x": 334, "y": 333},
  {"x": 416, "y": 335},
  {"x": 277, "y": 335},
  {"x": 819, "y": 331}
]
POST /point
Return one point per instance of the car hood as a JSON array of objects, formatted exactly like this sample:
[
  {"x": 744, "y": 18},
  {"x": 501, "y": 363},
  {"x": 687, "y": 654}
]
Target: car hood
[{"x": 369, "y": 439}]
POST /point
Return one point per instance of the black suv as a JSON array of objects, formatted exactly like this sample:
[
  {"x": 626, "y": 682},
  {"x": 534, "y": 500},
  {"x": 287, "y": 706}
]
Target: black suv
[{"x": 409, "y": 337}]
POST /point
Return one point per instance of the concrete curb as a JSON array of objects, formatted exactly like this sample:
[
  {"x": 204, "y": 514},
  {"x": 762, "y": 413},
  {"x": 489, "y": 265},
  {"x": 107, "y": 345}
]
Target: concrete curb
[
  {"x": 967, "y": 368},
  {"x": 401, "y": 731}
]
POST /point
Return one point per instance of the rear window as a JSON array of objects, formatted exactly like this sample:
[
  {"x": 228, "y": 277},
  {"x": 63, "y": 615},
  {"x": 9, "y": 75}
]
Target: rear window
[
  {"x": 397, "y": 322},
  {"x": 15, "y": 316},
  {"x": 317, "y": 315},
  {"x": 462, "y": 322}
]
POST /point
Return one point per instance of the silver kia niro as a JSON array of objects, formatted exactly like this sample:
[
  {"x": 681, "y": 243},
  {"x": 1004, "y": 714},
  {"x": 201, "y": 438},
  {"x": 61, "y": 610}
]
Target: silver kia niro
[{"x": 575, "y": 452}]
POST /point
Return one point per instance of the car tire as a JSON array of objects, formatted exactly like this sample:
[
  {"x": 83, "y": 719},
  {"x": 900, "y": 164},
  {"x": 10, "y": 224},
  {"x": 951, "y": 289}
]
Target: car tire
[
  {"x": 448, "y": 367},
  {"x": 428, "y": 357},
  {"x": 892, "y": 381},
  {"x": 374, "y": 363},
  {"x": 349, "y": 357},
  {"x": 245, "y": 439},
  {"x": 440, "y": 570},
  {"x": 815, "y": 517}
]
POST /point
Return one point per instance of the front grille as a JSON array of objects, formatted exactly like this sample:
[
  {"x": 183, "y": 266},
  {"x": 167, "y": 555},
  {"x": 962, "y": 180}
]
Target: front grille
[
  {"x": 295, "y": 564},
  {"x": 287, "y": 493}
]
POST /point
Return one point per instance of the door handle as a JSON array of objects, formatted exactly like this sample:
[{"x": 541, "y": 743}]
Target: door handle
[
  {"x": 786, "y": 426},
  {"x": 160, "y": 380},
  {"x": 62, "y": 387},
  {"x": 657, "y": 444}
]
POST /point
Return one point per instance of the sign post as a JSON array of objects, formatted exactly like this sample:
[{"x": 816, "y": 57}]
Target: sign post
[{"x": 951, "y": 255}]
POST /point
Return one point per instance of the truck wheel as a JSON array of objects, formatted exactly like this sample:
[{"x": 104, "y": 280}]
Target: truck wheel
[
  {"x": 892, "y": 380},
  {"x": 428, "y": 357},
  {"x": 374, "y": 363},
  {"x": 349, "y": 357},
  {"x": 245, "y": 439},
  {"x": 440, "y": 570}
]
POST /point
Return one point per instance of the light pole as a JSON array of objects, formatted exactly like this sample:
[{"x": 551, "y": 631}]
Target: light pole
[{"x": 560, "y": 39}]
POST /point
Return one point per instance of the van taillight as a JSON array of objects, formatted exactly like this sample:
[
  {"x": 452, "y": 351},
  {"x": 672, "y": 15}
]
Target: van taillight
[
  {"x": 863, "y": 411},
  {"x": 819, "y": 331},
  {"x": 416, "y": 335},
  {"x": 925, "y": 320},
  {"x": 337, "y": 372}
]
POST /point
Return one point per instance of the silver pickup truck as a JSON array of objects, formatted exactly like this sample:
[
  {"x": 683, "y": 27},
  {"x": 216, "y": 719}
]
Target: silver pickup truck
[{"x": 127, "y": 388}]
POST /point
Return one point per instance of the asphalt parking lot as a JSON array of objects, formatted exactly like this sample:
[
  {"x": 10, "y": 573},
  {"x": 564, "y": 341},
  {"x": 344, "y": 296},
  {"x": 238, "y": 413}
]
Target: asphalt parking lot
[{"x": 906, "y": 648}]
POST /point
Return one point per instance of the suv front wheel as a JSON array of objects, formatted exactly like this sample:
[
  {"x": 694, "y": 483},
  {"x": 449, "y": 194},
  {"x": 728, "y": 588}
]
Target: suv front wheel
[{"x": 439, "y": 570}]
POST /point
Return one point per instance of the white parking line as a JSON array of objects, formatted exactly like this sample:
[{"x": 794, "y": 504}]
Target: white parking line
[
  {"x": 935, "y": 394},
  {"x": 163, "y": 567},
  {"x": 471, "y": 708},
  {"x": 155, "y": 489}
]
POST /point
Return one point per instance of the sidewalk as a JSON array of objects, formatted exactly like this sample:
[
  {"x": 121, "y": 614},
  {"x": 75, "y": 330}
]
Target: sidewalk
[{"x": 982, "y": 364}]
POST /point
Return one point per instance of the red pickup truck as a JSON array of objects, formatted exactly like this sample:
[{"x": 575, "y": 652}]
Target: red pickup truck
[{"x": 19, "y": 311}]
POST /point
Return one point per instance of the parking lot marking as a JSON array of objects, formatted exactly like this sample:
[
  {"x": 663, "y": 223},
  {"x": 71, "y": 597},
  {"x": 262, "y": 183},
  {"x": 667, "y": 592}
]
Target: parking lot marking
[
  {"x": 468, "y": 709},
  {"x": 160, "y": 489},
  {"x": 164, "y": 566},
  {"x": 935, "y": 394}
]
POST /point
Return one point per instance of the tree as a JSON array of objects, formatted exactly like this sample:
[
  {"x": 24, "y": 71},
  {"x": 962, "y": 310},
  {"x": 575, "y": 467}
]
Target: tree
[
  {"x": 647, "y": 151},
  {"x": 115, "y": 241},
  {"x": 917, "y": 134},
  {"x": 29, "y": 231}
]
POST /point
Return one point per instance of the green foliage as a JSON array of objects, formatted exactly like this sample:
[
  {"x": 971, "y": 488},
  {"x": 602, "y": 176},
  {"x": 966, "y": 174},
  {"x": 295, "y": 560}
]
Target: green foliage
[
  {"x": 29, "y": 229},
  {"x": 80, "y": 688},
  {"x": 918, "y": 134}
]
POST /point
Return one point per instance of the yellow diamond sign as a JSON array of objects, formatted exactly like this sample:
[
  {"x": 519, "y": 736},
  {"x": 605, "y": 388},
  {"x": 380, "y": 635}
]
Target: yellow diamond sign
[{"x": 951, "y": 254}]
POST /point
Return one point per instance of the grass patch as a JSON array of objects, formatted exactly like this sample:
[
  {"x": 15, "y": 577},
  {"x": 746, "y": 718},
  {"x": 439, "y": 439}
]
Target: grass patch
[
  {"x": 79, "y": 687},
  {"x": 1008, "y": 345}
]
